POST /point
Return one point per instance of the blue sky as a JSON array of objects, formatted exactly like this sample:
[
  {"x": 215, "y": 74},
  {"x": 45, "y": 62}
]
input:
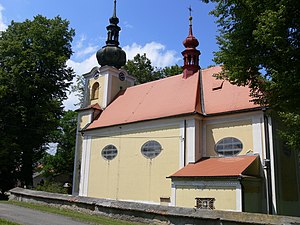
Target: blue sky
[{"x": 155, "y": 27}]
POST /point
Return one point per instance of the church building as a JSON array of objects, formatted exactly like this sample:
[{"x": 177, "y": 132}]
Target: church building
[{"x": 189, "y": 140}]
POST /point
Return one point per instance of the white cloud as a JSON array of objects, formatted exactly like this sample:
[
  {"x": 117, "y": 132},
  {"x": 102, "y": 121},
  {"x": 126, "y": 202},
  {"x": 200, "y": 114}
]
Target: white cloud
[
  {"x": 86, "y": 51},
  {"x": 71, "y": 102},
  {"x": 82, "y": 49},
  {"x": 83, "y": 66},
  {"x": 79, "y": 43},
  {"x": 127, "y": 25},
  {"x": 80, "y": 68},
  {"x": 3, "y": 26},
  {"x": 156, "y": 52}
]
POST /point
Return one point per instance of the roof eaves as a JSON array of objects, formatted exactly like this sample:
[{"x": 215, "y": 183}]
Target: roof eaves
[
  {"x": 145, "y": 120},
  {"x": 208, "y": 177},
  {"x": 234, "y": 111}
]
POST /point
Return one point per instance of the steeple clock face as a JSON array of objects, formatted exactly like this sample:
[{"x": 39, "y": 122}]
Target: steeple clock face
[{"x": 121, "y": 76}]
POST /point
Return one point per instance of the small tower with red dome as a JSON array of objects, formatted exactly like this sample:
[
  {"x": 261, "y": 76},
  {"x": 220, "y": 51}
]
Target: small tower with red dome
[{"x": 190, "y": 54}]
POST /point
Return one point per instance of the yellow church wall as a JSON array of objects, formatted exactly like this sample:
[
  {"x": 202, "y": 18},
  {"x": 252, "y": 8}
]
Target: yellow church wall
[
  {"x": 118, "y": 85},
  {"x": 119, "y": 179},
  {"x": 225, "y": 196},
  {"x": 241, "y": 130}
]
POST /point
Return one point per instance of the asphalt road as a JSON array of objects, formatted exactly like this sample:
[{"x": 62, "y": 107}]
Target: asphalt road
[{"x": 33, "y": 217}]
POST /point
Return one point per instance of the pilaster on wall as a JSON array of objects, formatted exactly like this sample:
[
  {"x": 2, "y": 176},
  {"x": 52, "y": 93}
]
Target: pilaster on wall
[
  {"x": 85, "y": 166},
  {"x": 192, "y": 140}
]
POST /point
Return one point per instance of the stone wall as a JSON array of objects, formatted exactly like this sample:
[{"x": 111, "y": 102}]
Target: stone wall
[{"x": 152, "y": 214}]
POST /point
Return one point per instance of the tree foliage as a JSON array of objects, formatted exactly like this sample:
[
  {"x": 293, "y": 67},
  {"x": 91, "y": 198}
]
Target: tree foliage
[
  {"x": 259, "y": 44},
  {"x": 141, "y": 68},
  {"x": 33, "y": 82},
  {"x": 65, "y": 137}
]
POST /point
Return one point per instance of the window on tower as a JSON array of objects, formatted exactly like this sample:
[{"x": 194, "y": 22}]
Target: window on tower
[{"x": 95, "y": 91}]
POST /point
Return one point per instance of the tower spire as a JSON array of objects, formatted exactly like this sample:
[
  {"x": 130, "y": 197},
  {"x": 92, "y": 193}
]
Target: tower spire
[
  {"x": 190, "y": 54},
  {"x": 115, "y": 8},
  {"x": 111, "y": 54}
]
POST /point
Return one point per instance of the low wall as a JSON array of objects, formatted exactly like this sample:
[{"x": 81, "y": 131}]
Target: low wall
[{"x": 152, "y": 214}]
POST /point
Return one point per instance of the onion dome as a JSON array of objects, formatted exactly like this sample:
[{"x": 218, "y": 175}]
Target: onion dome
[
  {"x": 190, "y": 54},
  {"x": 111, "y": 54},
  {"x": 191, "y": 41}
]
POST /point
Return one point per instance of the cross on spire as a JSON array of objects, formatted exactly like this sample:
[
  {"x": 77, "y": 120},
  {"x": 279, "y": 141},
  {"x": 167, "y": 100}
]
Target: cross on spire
[{"x": 190, "y": 9}]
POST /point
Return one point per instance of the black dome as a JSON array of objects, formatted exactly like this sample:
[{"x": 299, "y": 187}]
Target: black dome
[{"x": 111, "y": 56}]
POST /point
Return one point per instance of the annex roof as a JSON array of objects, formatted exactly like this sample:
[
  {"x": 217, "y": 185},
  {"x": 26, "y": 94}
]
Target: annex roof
[
  {"x": 157, "y": 99},
  {"x": 218, "y": 167}
]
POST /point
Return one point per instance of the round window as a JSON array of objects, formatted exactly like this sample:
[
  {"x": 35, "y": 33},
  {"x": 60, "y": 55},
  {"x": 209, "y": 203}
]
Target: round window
[
  {"x": 109, "y": 152},
  {"x": 151, "y": 149},
  {"x": 229, "y": 146}
]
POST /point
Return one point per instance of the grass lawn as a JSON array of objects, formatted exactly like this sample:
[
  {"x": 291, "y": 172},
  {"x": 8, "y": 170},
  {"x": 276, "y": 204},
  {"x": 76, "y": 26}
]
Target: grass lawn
[
  {"x": 6, "y": 222},
  {"x": 85, "y": 217}
]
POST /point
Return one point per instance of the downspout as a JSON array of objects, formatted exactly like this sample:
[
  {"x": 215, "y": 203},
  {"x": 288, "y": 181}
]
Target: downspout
[{"x": 267, "y": 164}]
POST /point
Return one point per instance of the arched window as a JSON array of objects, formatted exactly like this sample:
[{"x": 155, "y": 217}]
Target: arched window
[
  {"x": 95, "y": 91},
  {"x": 151, "y": 149},
  {"x": 229, "y": 146},
  {"x": 109, "y": 152}
]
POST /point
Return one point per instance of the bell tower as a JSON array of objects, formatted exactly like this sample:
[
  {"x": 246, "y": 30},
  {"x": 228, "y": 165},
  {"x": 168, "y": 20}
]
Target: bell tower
[
  {"x": 190, "y": 54},
  {"x": 104, "y": 83}
]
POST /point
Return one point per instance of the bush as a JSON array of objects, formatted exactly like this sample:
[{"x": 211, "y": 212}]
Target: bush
[{"x": 53, "y": 187}]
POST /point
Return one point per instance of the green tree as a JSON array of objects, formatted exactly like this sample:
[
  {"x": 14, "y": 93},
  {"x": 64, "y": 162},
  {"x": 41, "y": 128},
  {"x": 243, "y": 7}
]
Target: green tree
[
  {"x": 141, "y": 67},
  {"x": 259, "y": 46},
  {"x": 65, "y": 137},
  {"x": 171, "y": 71},
  {"x": 34, "y": 79}
]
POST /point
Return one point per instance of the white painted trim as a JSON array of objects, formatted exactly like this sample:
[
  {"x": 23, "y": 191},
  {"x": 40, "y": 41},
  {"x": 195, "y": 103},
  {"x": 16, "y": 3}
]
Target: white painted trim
[
  {"x": 204, "y": 150},
  {"x": 138, "y": 201},
  {"x": 140, "y": 126},
  {"x": 173, "y": 195},
  {"x": 239, "y": 198},
  {"x": 231, "y": 118},
  {"x": 181, "y": 144},
  {"x": 201, "y": 183},
  {"x": 257, "y": 128},
  {"x": 85, "y": 166},
  {"x": 109, "y": 97},
  {"x": 272, "y": 161},
  {"x": 191, "y": 141},
  {"x": 105, "y": 91}
]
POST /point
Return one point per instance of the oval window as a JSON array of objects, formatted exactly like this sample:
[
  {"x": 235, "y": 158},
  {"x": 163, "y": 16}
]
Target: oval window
[
  {"x": 109, "y": 152},
  {"x": 229, "y": 146},
  {"x": 151, "y": 149}
]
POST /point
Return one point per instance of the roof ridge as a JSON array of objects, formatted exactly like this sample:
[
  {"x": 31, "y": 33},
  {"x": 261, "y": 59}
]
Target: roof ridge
[{"x": 154, "y": 81}]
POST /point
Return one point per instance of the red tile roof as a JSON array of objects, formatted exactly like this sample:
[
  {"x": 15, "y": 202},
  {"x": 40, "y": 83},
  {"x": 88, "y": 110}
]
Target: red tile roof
[
  {"x": 217, "y": 167},
  {"x": 162, "y": 98},
  {"x": 94, "y": 106},
  {"x": 220, "y": 96},
  {"x": 174, "y": 96}
]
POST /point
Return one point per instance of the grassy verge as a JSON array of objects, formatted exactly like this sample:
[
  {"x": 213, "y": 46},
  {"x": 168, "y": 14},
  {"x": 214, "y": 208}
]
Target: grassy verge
[
  {"x": 85, "y": 217},
  {"x": 6, "y": 222}
]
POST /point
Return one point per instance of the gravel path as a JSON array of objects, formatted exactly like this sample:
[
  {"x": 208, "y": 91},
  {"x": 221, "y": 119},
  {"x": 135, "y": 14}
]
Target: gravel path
[{"x": 33, "y": 217}]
